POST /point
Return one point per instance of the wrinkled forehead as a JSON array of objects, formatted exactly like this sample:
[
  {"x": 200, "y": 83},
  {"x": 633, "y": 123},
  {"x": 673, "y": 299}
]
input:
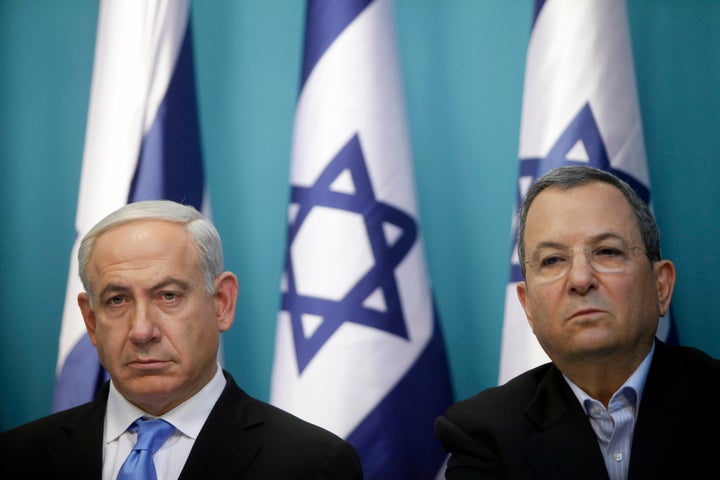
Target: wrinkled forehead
[
  {"x": 142, "y": 239},
  {"x": 586, "y": 211}
]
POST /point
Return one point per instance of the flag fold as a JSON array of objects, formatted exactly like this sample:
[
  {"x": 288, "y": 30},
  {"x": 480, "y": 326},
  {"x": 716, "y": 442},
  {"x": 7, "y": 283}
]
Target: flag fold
[
  {"x": 142, "y": 142},
  {"x": 580, "y": 106},
  {"x": 359, "y": 349}
]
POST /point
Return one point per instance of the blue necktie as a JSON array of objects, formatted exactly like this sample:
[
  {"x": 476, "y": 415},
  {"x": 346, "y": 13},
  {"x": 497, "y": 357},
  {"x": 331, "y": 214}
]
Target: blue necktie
[{"x": 139, "y": 464}]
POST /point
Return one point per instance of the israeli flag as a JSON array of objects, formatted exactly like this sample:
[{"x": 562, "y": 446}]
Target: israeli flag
[
  {"x": 142, "y": 142},
  {"x": 580, "y": 106},
  {"x": 358, "y": 348}
]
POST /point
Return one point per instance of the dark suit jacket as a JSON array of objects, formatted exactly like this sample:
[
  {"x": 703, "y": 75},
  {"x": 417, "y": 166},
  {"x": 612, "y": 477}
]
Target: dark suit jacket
[
  {"x": 533, "y": 427},
  {"x": 242, "y": 438}
]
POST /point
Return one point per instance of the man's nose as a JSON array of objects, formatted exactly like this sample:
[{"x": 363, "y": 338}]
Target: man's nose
[
  {"x": 143, "y": 327},
  {"x": 581, "y": 276}
]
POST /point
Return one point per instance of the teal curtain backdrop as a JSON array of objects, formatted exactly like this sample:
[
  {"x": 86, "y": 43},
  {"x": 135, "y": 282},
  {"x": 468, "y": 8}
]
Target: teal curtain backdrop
[{"x": 463, "y": 66}]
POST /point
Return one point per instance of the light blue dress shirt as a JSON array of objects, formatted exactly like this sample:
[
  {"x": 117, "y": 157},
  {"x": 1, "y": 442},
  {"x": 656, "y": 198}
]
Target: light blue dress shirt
[{"x": 614, "y": 426}]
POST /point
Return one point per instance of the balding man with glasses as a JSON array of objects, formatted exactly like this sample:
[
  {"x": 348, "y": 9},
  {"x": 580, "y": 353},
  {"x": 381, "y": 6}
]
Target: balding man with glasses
[{"x": 615, "y": 402}]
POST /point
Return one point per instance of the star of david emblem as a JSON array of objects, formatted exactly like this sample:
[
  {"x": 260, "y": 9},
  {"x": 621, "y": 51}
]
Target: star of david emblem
[
  {"x": 580, "y": 144},
  {"x": 357, "y": 243}
]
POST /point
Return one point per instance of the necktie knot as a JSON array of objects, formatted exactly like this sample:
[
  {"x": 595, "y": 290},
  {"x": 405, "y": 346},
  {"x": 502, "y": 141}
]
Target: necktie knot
[{"x": 151, "y": 435}]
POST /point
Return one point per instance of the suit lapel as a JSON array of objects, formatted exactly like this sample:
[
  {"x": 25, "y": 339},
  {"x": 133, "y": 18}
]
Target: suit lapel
[
  {"x": 220, "y": 450},
  {"x": 663, "y": 413},
  {"x": 558, "y": 452},
  {"x": 221, "y": 446},
  {"x": 81, "y": 453}
]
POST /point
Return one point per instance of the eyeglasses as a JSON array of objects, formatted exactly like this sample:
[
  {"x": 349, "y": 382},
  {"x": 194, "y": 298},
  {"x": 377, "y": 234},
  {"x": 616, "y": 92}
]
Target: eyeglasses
[{"x": 551, "y": 264}]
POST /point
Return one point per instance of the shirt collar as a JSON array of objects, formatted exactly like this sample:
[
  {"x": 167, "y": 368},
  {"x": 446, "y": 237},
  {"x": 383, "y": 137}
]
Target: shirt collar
[
  {"x": 635, "y": 383},
  {"x": 188, "y": 417}
]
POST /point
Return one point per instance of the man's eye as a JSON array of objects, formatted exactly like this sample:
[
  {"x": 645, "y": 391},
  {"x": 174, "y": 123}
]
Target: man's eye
[
  {"x": 609, "y": 252},
  {"x": 169, "y": 296},
  {"x": 116, "y": 300},
  {"x": 552, "y": 260}
]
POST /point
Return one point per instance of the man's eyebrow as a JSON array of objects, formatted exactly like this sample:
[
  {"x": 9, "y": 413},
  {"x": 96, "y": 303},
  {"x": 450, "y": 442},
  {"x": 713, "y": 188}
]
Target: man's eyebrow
[
  {"x": 601, "y": 237},
  {"x": 548, "y": 244},
  {"x": 594, "y": 239},
  {"x": 114, "y": 288},
  {"x": 164, "y": 283},
  {"x": 170, "y": 281}
]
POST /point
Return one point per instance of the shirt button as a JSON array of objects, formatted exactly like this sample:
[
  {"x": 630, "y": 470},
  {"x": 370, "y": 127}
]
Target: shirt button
[{"x": 618, "y": 457}]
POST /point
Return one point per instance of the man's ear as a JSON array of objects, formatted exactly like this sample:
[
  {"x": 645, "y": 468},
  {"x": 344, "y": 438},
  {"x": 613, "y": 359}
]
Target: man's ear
[
  {"x": 521, "y": 290},
  {"x": 88, "y": 315},
  {"x": 665, "y": 281},
  {"x": 226, "y": 292}
]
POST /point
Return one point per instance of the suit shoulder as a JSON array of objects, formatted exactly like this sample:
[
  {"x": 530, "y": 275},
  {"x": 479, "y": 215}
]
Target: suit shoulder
[
  {"x": 699, "y": 367},
  {"x": 507, "y": 399},
  {"x": 303, "y": 448},
  {"x": 286, "y": 429},
  {"x": 286, "y": 422},
  {"x": 37, "y": 438},
  {"x": 696, "y": 357},
  {"x": 43, "y": 424}
]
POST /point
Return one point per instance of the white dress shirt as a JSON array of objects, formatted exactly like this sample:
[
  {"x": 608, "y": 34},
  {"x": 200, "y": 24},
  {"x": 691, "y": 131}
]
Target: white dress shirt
[{"x": 188, "y": 419}]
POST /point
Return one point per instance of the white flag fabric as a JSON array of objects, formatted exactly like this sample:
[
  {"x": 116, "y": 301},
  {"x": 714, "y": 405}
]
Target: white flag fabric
[
  {"x": 580, "y": 106},
  {"x": 142, "y": 142},
  {"x": 358, "y": 347}
]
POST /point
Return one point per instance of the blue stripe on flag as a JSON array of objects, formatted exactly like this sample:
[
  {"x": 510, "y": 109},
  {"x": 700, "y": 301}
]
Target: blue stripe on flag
[
  {"x": 324, "y": 21},
  {"x": 536, "y": 11},
  {"x": 72, "y": 388},
  {"x": 388, "y": 446},
  {"x": 170, "y": 165}
]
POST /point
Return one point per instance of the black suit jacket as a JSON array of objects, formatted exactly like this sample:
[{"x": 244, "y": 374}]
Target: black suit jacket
[
  {"x": 243, "y": 438},
  {"x": 533, "y": 427}
]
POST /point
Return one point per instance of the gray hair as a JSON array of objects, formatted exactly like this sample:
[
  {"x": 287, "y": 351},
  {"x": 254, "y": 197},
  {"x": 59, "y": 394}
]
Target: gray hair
[
  {"x": 577, "y": 175},
  {"x": 201, "y": 230}
]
